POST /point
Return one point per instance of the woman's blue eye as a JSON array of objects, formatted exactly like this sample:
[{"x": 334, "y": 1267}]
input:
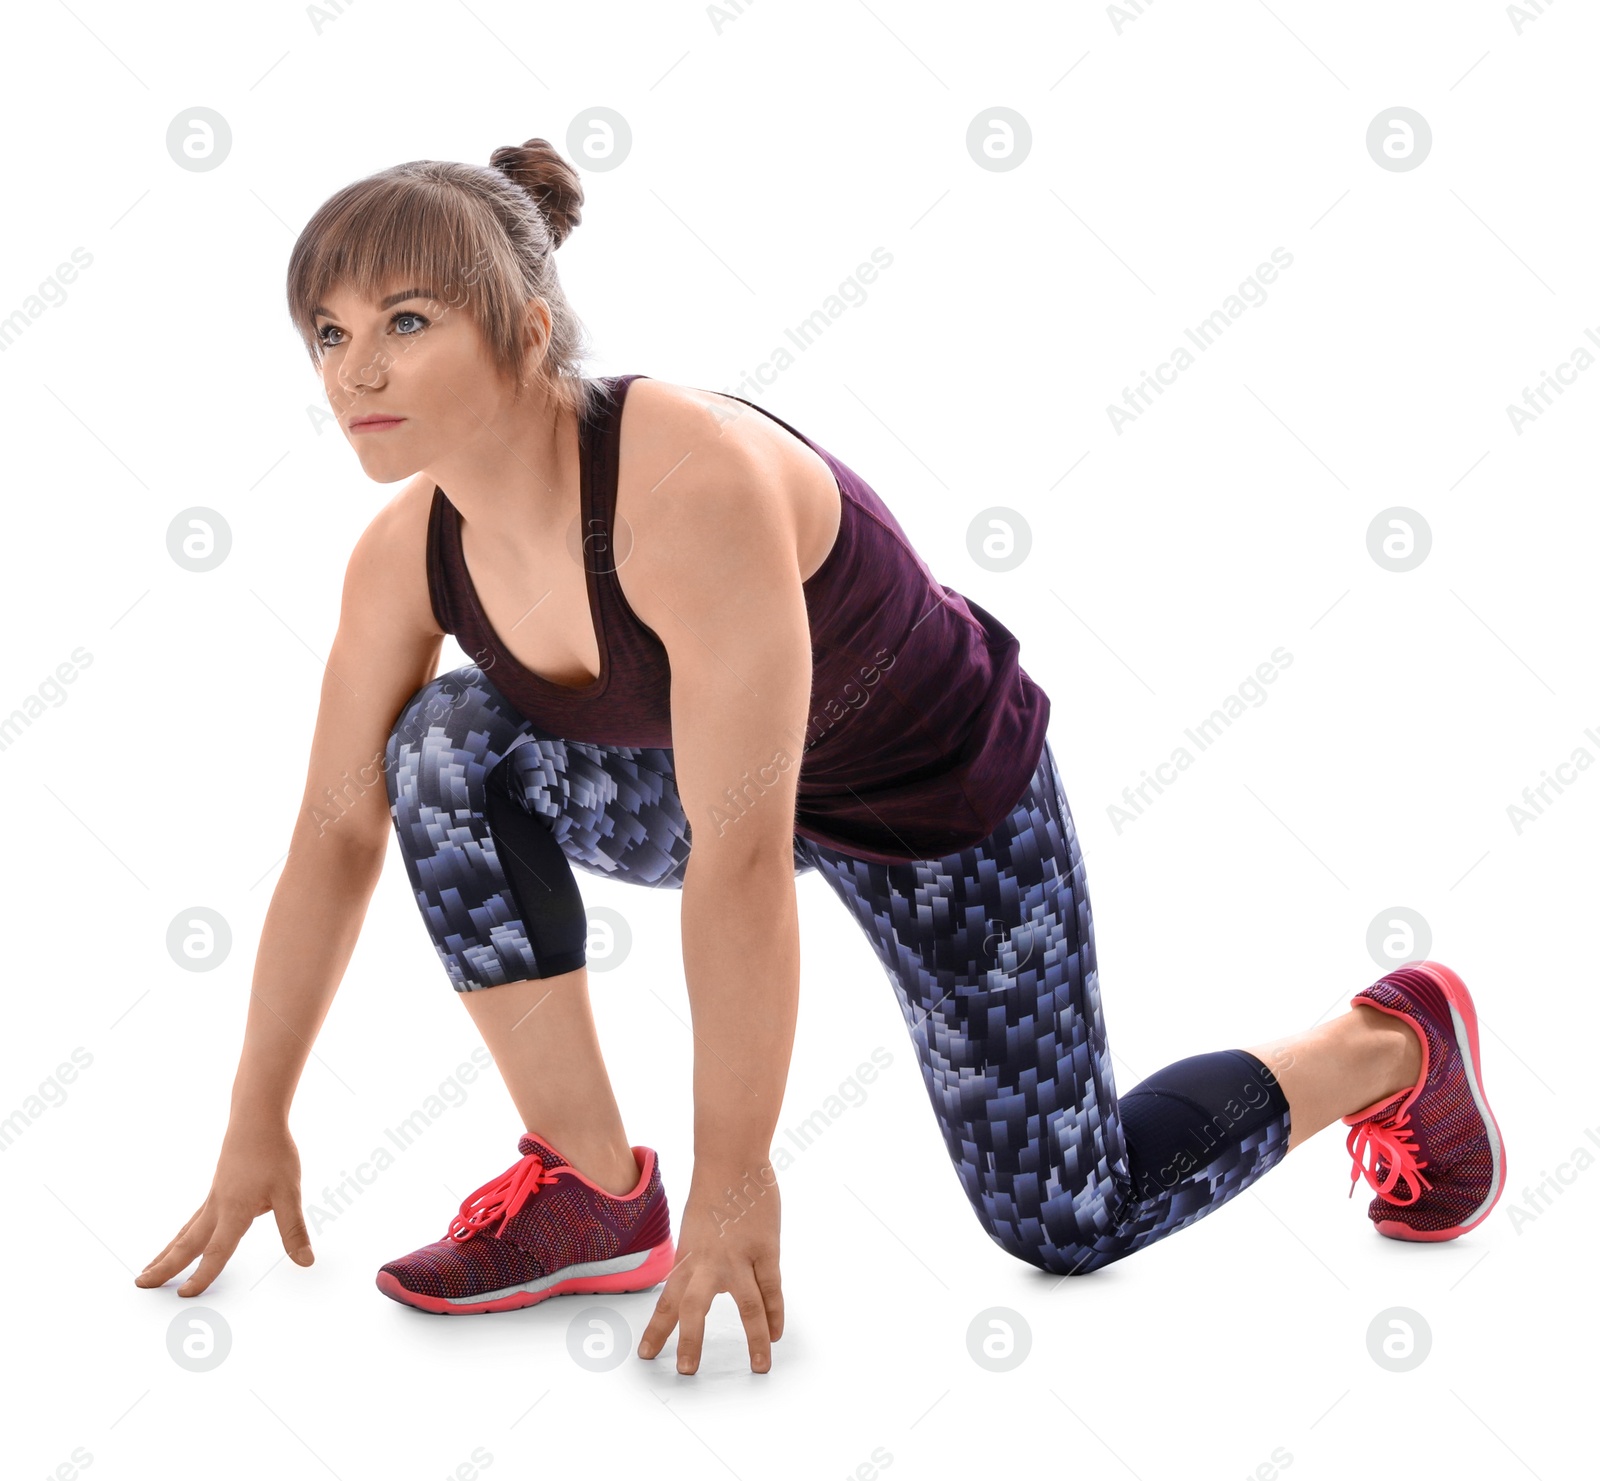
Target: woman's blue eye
[{"x": 322, "y": 334}]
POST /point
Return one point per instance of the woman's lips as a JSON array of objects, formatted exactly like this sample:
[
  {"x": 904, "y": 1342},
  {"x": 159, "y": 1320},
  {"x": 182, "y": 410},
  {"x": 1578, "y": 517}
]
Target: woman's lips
[{"x": 381, "y": 425}]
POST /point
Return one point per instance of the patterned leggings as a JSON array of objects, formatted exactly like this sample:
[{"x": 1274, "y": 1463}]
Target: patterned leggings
[{"x": 990, "y": 951}]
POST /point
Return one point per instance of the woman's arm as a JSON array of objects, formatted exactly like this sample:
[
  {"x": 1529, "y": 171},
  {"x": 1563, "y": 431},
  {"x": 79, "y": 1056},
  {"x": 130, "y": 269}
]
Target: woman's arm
[
  {"x": 386, "y": 648},
  {"x": 307, "y": 939},
  {"x": 719, "y": 582}
]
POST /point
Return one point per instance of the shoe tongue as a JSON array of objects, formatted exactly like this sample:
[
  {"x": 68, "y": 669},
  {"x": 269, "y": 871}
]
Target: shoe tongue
[{"x": 528, "y": 1144}]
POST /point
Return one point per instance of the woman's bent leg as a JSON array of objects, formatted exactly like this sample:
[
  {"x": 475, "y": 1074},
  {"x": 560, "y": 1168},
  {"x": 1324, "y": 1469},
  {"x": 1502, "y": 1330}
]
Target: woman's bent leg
[
  {"x": 491, "y": 813},
  {"x": 991, "y": 952}
]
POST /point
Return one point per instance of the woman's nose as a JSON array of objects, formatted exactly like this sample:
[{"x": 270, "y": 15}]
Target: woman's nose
[
  {"x": 363, "y": 369},
  {"x": 357, "y": 376}
]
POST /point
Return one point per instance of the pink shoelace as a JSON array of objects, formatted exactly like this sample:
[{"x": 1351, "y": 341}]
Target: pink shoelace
[
  {"x": 1393, "y": 1156},
  {"x": 500, "y": 1198}
]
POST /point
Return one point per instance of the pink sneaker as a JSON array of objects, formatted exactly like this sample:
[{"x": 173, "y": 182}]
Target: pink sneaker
[
  {"x": 1436, "y": 1158},
  {"x": 540, "y": 1229}
]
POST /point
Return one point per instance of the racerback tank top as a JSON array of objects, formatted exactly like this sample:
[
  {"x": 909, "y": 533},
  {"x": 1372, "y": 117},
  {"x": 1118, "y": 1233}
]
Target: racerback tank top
[{"x": 924, "y": 728}]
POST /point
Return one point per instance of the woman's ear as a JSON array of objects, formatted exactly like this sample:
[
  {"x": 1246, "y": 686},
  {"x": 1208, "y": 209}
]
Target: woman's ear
[{"x": 537, "y": 324}]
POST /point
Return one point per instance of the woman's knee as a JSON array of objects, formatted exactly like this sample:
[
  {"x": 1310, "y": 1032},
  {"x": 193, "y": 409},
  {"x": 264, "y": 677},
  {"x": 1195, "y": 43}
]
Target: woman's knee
[
  {"x": 1068, "y": 1256},
  {"x": 1051, "y": 1226},
  {"x": 461, "y": 709},
  {"x": 442, "y": 697}
]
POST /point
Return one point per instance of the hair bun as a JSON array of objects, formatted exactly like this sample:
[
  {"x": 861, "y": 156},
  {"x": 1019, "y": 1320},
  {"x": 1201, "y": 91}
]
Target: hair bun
[{"x": 549, "y": 179}]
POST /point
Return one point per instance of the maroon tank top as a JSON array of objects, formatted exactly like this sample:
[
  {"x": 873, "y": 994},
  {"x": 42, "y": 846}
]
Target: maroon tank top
[{"x": 924, "y": 728}]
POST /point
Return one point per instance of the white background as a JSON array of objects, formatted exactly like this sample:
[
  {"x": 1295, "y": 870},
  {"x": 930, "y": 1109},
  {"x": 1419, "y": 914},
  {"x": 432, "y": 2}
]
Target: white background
[{"x": 772, "y": 151}]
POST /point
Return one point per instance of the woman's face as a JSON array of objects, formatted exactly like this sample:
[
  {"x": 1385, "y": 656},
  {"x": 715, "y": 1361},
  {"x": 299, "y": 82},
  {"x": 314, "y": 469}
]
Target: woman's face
[{"x": 420, "y": 363}]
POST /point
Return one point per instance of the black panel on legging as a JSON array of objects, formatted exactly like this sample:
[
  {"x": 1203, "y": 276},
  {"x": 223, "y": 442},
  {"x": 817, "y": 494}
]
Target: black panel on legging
[
  {"x": 1182, "y": 1116},
  {"x": 545, "y": 894}
]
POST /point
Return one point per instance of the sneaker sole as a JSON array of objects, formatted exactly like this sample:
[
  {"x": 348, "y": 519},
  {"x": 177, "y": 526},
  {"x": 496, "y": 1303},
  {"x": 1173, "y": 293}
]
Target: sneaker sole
[
  {"x": 1464, "y": 1019},
  {"x": 635, "y": 1272}
]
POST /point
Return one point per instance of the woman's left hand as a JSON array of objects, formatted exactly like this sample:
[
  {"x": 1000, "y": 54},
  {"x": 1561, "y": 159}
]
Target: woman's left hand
[{"x": 728, "y": 1241}]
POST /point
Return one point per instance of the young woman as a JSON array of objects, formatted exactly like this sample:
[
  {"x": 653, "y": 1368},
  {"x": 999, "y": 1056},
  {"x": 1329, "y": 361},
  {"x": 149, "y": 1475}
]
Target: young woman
[{"x": 689, "y": 623}]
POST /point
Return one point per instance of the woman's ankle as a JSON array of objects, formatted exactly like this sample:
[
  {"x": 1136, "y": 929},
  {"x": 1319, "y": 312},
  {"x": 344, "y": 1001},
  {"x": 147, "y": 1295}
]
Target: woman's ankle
[
  {"x": 606, "y": 1164},
  {"x": 1396, "y": 1049}
]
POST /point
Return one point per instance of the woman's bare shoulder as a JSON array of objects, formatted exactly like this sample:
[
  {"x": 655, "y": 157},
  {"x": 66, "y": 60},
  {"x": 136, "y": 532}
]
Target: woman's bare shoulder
[
  {"x": 686, "y": 442},
  {"x": 679, "y": 442},
  {"x": 679, "y": 432},
  {"x": 669, "y": 432},
  {"x": 662, "y": 416}
]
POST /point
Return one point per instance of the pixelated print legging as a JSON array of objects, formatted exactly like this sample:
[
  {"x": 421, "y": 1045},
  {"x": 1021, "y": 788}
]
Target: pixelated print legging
[{"x": 990, "y": 950}]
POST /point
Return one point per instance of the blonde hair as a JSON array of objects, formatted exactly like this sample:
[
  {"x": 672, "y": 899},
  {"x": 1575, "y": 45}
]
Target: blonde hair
[{"x": 481, "y": 237}]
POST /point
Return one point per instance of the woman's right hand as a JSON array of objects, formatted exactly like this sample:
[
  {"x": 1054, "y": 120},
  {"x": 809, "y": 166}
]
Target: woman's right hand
[{"x": 258, "y": 1169}]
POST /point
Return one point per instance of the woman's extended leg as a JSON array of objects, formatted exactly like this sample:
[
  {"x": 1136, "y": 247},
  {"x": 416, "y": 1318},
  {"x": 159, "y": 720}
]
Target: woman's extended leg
[
  {"x": 1355, "y": 1060},
  {"x": 992, "y": 954}
]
